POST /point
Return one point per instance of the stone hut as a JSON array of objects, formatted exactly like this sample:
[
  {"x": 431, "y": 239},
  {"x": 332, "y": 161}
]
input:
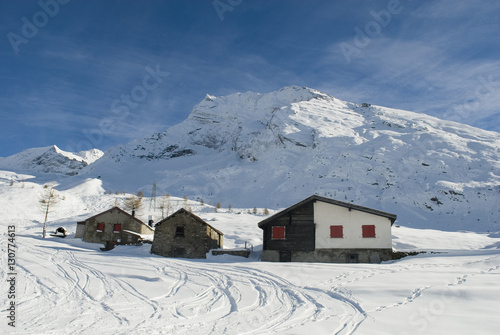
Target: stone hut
[
  {"x": 114, "y": 226},
  {"x": 185, "y": 235}
]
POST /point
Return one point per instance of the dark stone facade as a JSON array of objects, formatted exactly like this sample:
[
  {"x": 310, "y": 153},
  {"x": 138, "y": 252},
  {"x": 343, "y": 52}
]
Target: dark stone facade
[{"x": 185, "y": 235}]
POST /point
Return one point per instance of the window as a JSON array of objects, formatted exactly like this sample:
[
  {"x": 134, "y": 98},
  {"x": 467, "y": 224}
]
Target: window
[
  {"x": 336, "y": 232},
  {"x": 179, "y": 231},
  {"x": 117, "y": 228},
  {"x": 278, "y": 233},
  {"x": 368, "y": 230},
  {"x": 100, "y": 226}
]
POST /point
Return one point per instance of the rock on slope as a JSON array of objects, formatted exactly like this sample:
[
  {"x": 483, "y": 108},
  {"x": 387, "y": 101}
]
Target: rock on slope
[{"x": 252, "y": 149}]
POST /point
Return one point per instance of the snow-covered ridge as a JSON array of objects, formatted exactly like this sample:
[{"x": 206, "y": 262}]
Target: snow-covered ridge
[
  {"x": 274, "y": 149},
  {"x": 51, "y": 160}
]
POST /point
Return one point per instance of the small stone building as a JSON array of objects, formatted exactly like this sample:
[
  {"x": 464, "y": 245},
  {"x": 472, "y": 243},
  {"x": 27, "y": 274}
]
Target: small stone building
[
  {"x": 319, "y": 229},
  {"x": 114, "y": 226},
  {"x": 185, "y": 235}
]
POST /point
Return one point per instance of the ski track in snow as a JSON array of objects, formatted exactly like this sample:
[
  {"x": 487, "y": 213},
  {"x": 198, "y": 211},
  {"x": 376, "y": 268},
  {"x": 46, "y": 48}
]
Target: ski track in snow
[
  {"x": 199, "y": 298},
  {"x": 68, "y": 287},
  {"x": 195, "y": 297},
  {"x": 244, "y": 301}
]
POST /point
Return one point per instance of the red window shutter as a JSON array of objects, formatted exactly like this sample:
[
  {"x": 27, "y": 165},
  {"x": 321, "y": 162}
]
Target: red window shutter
[
  {"x": 336, "y": 231},
  {"x": 117, "y": 228},
  {"x": 368, "y": 230},
  {"x": 278, "y": 233},
  {"x": 100, "y": 226}
]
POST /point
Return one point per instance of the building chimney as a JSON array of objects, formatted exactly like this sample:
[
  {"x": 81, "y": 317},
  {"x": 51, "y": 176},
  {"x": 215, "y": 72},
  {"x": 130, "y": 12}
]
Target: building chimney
[
  {"x": 133, "y": 212},
  {"x": 150, "y": 220}
]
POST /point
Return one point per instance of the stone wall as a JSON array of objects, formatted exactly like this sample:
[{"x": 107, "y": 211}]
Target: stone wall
[
  {"x": 333, "y": 255},
  {"x": 242, "y": 253},
  {"x": 195, "y": 241},
  {"x": 80, "y": 229},
  {"x": 110, "y": 218}
]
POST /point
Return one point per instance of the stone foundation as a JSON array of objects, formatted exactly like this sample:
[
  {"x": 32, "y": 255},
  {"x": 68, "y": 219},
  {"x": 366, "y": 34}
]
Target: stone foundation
[
  {"x": 332, "y": 256},
  {"x": 241, "y": 253}
]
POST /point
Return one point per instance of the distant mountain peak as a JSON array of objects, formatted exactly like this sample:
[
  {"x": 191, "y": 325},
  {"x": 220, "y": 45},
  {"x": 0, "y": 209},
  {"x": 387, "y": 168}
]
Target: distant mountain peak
[{"x": 51, "y": 159}]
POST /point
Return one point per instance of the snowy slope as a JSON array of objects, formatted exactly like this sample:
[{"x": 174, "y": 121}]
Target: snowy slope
[
  {"x": 50, "y": 160},
  {"x": 66, "y": 286},
  {"x": 275, "y": 149}
]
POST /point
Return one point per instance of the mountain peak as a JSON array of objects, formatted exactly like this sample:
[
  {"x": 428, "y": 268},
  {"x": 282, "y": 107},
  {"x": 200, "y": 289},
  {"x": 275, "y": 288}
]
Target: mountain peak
[
  {"x": 51, "y": 159},
  {"x": 275, "y": 148}
]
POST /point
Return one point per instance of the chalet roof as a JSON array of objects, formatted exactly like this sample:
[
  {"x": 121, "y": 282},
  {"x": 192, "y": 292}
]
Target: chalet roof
[
  {"x": 197, "y": 218},
  {"x": 315, "y": 198},
  {"x": 120, "y": 210}
]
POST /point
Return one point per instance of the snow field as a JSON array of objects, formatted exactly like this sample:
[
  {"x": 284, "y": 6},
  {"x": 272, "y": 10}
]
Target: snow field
[{"x": 66, "y": 286}]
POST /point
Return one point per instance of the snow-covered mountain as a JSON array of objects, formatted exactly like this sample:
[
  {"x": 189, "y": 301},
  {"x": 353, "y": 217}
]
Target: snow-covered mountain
[
  {"x": 275, "y": 149},
  {"x": 50, "y": 160},
  {"x": 252, "y": 149},
  {"x": 263, "y": 150}
]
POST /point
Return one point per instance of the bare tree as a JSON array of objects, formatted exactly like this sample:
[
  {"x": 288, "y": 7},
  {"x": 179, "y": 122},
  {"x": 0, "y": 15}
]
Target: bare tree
[
  {"x": 133, "y": 203},
  {"x": 165, "y": 205},
  {"x": 47, "y": 200}
]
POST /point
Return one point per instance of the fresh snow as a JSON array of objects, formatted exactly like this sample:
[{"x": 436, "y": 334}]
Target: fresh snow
[
  {"x": 270, "y": 150},
  {"x": 275, "y": 149},
  {"x": 66, "y": 286}
]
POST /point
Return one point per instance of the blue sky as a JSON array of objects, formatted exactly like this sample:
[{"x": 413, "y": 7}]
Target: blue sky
[{"x": 84, "y": 74}]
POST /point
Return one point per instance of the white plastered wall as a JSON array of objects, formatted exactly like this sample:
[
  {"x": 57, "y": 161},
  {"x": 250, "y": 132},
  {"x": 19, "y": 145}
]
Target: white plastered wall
[{"x": 326, "y": 215}]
